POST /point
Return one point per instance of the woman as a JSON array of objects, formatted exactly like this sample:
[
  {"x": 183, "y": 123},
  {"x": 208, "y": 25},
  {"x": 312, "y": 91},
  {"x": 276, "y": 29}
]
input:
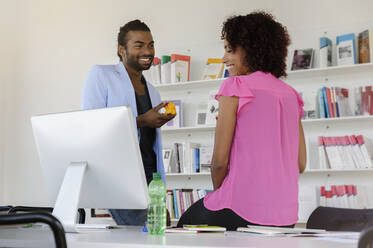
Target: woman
[{"x": 259, "y": 147}]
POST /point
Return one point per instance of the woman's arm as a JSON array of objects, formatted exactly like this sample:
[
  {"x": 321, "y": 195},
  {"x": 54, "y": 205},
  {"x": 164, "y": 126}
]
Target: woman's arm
[
  {"x": 302, "y": 155},
  {"x": 223, "y": 139}
]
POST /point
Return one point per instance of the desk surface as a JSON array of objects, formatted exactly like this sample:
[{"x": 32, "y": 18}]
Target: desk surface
[{"x": 133, "y": 237}]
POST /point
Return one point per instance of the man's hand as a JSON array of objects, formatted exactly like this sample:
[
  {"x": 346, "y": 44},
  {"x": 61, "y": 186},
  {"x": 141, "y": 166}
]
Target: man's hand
[{"x": 154, "y": 119}]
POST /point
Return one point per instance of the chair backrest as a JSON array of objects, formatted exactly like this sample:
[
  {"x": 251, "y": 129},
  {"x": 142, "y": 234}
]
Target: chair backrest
[
  {"x": 38, "y": 217},
  {"x": 13, "y": 210},
  {"x": 5, "y": 209},
  {"x": 366, "y": 238},
  {"x": 340, "y": 219}
]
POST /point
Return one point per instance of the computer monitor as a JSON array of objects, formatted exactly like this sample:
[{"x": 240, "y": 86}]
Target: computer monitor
[{"x": 90, "y": 159}]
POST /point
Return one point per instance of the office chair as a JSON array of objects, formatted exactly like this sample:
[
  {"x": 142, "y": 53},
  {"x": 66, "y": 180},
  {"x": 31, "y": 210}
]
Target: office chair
[
  {"x": 38, "y": 217},
  {"x": 16, "y": 209},
  {"x": 340, "y": 219},
  {"x": 5, "y": 209},
  {"x": 366, "y": 238}
]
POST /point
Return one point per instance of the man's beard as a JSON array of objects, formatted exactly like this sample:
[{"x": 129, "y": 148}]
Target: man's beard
[{"x": 133, "y": 62}]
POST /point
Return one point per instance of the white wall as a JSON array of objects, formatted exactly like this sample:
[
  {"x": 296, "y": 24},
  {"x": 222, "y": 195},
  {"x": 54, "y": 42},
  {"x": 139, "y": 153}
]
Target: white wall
[
  {"x": 58, "y": 41},
  {"x": 7, "y": 76}
]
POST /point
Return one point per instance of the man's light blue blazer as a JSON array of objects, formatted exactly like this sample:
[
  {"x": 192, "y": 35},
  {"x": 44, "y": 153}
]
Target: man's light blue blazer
[{"x": 110, "y": 86}]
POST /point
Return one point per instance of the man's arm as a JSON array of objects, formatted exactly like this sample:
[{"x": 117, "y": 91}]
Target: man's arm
[{"x": 223, "y": 139}]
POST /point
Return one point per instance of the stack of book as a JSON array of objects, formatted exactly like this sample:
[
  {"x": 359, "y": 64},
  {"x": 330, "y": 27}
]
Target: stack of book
[
  {"x": 344, "y": 196},
  {"x": 343, "y": 152},
  {"x": 333, "y": 102},
  {"x": 179, "y": 200},
  {"x": 187, "y": 158},
  {"x": 169, "y": 69}
]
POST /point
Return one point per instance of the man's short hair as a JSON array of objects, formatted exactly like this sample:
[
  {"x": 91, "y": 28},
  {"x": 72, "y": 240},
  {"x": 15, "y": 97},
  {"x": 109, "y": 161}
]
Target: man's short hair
[{"x": 135, "y": 25}]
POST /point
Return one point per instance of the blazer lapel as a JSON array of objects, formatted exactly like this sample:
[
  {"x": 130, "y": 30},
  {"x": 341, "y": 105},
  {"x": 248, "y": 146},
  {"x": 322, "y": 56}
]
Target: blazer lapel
[{"x": 129, "y": 91}]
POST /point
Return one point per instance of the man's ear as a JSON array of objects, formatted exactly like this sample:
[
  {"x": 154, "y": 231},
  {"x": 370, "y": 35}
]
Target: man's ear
[{"x": 121, "y": 51}]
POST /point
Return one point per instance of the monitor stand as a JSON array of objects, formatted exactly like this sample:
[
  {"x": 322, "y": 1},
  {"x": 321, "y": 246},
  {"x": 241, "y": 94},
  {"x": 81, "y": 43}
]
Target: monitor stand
[{"x": 66, "y": 207}]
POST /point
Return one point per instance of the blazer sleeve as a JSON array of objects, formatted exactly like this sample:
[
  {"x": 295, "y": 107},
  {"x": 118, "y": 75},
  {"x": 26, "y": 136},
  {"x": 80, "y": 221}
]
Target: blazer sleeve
[{"x": 94, "y": 90}]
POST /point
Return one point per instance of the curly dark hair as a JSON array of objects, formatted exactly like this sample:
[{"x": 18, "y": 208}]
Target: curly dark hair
[
  {"x": 135, "y": 25},
  {"x": 263, "y": 39}
]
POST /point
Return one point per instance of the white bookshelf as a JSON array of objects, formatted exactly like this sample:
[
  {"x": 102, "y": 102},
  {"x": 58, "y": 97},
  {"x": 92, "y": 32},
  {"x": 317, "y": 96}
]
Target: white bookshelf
[
  {"x": 305, "y": 122},
  {"x": 338, "y": 171},
  {"x": 309, "y": 171},
  {"x": 187, "y": 174},
  {"x": 314, "y": 72},
  {"x": 194, "y": 98}
]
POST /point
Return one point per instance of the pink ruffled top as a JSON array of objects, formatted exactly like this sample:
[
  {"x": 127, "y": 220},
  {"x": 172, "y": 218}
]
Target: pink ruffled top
[{"x": 262, "y": 183}]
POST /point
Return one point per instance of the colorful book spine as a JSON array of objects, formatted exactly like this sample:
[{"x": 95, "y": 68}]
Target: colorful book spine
[
  {"x": 329, "y": 101},
  {"x": 321, "y": 105},
  {"x": 175, "y": 204},
  {"x": 326, "y": 102}
]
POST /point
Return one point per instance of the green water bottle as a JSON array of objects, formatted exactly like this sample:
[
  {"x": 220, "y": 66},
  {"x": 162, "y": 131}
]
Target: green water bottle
[{"x": 157, "y": 206}]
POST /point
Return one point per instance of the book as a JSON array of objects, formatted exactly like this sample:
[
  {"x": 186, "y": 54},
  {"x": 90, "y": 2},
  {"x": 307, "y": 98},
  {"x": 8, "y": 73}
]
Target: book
[
  {"x": 205, "y": 228},
  {"x": 205, "y": 155},
  {"x": 179, "y": 230},
  {"x": 325, "y": 53},
  {"x": 166, "y": 154},
  {"x": 371, "y": 102},
  {"x": 212, "y": 108},
  {"x": 323, "y": 159},
  {"x": 166, "y": 69},
  {"x": 273, "y": 231},
  {"x": 225, "y": 73},
  {"x": 309, "y": 106},
  {"x": 363, "y": 47},
  {"x": 321, "y": 104},
  {"x": 302, "y": 59},
  {"x": 170, "y": 203},
  {"x": 368, "y": 99},
  {"x": 365, "y": 94},
  {"x": 346, "y": 49},
  {"x": 156, "y": 71},
  {"x": 180, "y": 68},
  {"x": 176, "y": 209},
  {"x": 195, "y": 229},
  {"x": 213, "y": 69},
  {"x": 178, "y": 120}
]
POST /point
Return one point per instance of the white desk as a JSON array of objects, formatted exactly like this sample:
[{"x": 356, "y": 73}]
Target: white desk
[{"x": 133, "y": 237}]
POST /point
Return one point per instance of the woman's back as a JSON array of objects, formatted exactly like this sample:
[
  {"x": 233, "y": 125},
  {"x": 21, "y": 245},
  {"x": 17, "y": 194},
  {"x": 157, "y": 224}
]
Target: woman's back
[{"x": 262, "y": 182}]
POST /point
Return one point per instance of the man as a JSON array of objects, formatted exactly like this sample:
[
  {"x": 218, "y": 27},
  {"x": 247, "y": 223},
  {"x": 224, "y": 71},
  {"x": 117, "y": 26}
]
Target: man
[{"x": 123, "y": 84}]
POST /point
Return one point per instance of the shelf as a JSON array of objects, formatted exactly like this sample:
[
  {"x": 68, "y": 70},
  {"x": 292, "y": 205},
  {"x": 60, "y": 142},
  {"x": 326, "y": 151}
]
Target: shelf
[
  {"x": 339, "y": 170},
  {"x": 307, "y": 172},
  {"x": 189, "y": 129},
  {"x": 338, "y": 119},
  {"x": 305, "y": 122},
  {"x": 187, "y": 174},
  {"x": 332, "y": 69},
  {"x": 299, "y": 73},
  {"x": 190, "y": 84}
]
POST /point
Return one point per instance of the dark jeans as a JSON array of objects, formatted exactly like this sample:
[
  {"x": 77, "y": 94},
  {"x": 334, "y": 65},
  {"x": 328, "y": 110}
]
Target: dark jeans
[
  {"x": 131, "y": 217},
  {"x": 197, "y": 214}
]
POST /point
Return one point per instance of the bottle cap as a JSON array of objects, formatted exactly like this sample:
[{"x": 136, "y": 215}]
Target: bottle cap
[{"x": 156, "y": 176}]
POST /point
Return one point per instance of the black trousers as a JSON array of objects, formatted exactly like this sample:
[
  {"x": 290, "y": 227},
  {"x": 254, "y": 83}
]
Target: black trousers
[{"x": 197, "y": 214}]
